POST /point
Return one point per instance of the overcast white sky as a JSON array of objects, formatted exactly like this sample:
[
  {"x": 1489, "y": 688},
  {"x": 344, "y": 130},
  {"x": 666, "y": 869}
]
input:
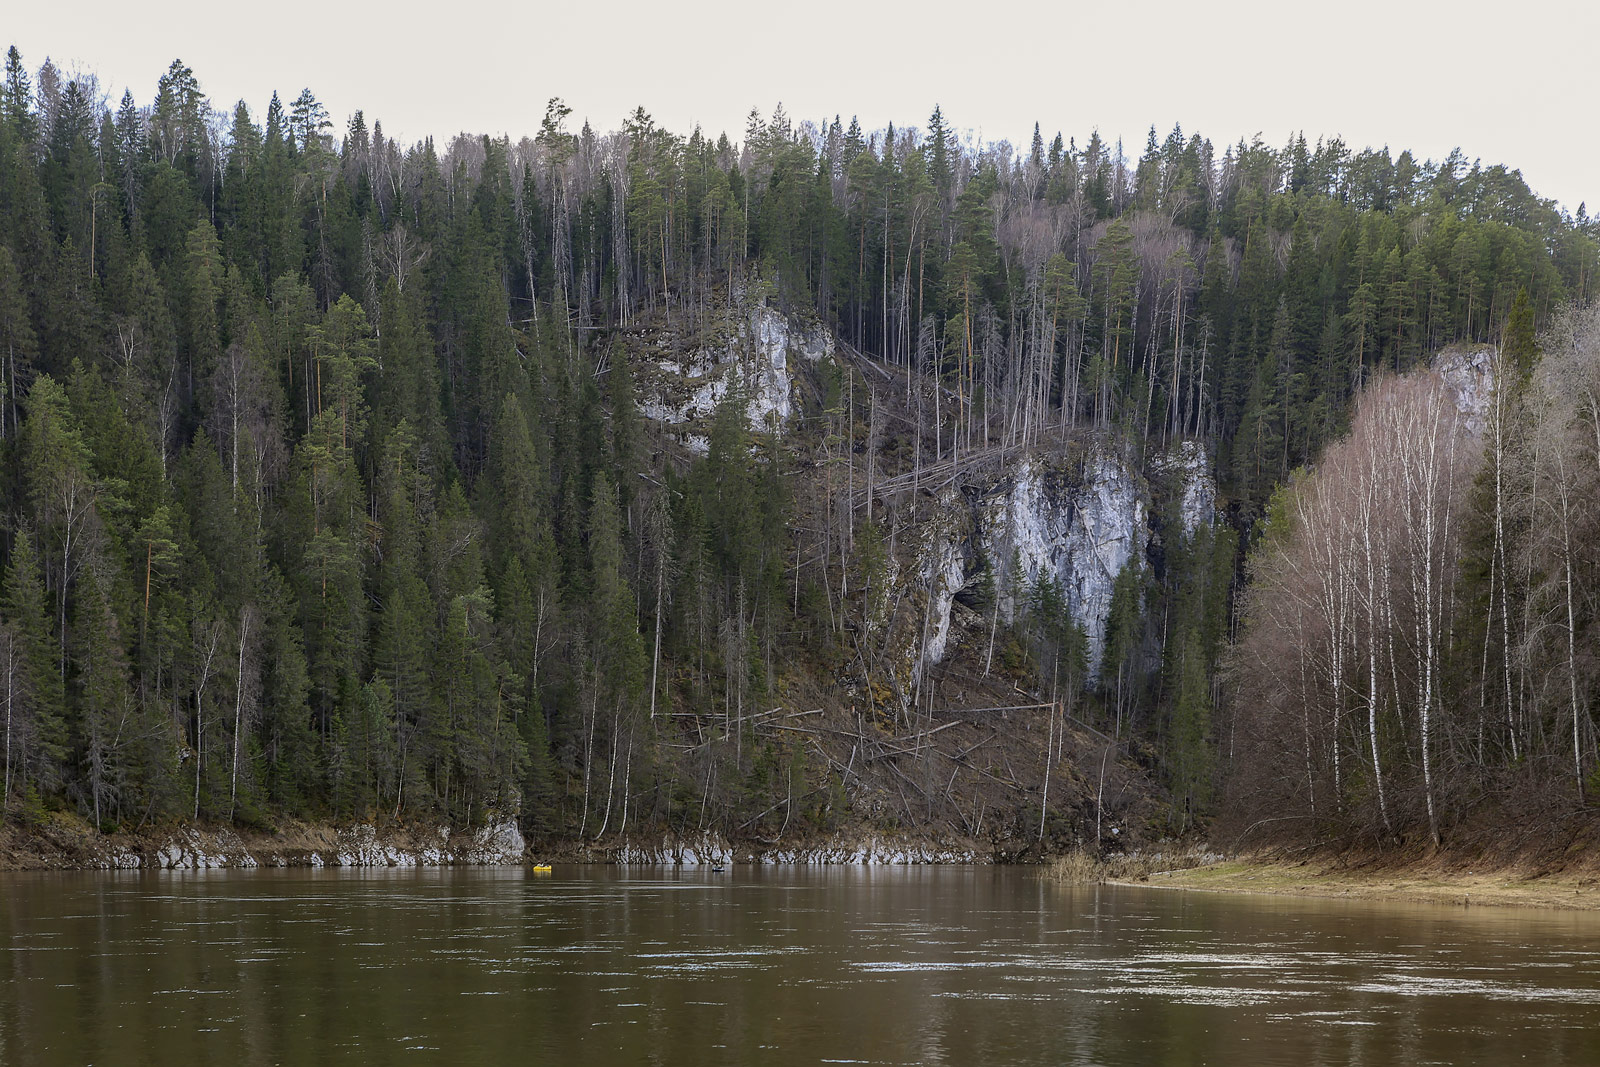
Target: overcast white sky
[{"x": 1509, "y": 83}]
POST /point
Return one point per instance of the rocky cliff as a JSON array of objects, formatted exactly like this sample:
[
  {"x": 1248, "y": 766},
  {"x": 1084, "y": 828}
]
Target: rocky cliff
[
  {"x": 1469, "y": 373},
  {"x": 747, "y": 345},
  {"x": 1076, "y": 520},
  {"x": 1075, "y": 514}
]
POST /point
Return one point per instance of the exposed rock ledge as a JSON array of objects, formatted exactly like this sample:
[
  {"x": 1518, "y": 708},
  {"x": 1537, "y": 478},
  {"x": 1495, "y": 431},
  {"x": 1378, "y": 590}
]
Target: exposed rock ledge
[
  {"x": 67, "y": 844},
  {"x": 711, "y": 849},
  {"x": 63, "y": 844}
]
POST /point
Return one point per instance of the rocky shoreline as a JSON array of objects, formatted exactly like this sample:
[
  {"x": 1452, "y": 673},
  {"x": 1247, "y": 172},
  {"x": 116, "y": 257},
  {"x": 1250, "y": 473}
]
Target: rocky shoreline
[{"x": 64, "y": 845}]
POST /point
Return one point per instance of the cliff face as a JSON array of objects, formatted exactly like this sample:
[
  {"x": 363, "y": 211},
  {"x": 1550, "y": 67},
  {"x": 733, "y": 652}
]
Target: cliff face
[
  {"x": 1075, "y": 517},
  {"x": 1076, "y": 528},
  {"x": 1469, "y": 372},
  {"x": 682, "y": 376},
  {"x": 1192, "y": 490},
  {"x": 1073, "y": 521}
]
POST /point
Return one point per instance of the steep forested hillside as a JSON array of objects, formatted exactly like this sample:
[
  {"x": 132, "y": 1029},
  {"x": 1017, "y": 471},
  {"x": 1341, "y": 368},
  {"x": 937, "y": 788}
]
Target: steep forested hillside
[
  {"x": 330, "y": 488},
  {"x": 1418, "y": 651}
]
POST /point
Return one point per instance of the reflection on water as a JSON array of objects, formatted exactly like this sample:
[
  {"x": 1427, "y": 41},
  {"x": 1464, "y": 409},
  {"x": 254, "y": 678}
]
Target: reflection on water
[{"x": 770, "y": 966}]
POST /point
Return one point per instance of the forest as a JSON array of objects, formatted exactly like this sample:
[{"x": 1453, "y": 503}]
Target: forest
[
  {"x": 326, "y": 491},
  {"x": 1419, "y": 630}
]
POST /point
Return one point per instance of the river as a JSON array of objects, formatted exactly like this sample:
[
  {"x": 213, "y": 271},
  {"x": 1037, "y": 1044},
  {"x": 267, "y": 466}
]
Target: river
[{"x": 770, "y": 966}]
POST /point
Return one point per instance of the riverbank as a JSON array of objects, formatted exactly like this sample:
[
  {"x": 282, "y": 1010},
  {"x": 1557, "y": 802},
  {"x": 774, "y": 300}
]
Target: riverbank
[
  {"x": 1423, "y": 880},
  {"x": 63, "y": 842}
]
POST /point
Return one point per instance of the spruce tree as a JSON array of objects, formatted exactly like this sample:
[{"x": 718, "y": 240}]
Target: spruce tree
[{"x": 34, "y": 698}]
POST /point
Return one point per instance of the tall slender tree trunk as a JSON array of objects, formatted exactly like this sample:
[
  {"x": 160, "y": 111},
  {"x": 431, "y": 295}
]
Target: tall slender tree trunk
[{"x": 1373, "y": 701}]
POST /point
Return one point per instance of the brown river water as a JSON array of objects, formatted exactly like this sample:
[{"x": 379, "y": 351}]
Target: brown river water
[{"x": 770, "y": 966}]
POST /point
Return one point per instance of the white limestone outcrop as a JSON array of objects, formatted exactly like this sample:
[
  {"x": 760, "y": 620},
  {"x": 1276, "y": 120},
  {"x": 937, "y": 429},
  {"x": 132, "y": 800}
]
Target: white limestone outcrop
[
  {"x": 1469, "y": 372},
  {"x": 1076, "y": 524},
  {"x": 752, "y": 350}
]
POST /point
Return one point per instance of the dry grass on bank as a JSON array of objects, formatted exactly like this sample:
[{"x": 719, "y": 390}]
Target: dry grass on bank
[
  {"x": 1084, "y": 868},
  {"x": 1423, "y": 880},
  {"x": 1432, "y": 878}
]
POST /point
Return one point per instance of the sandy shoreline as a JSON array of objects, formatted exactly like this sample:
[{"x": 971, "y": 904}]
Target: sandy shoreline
[{"x": 1421, "y": 882}]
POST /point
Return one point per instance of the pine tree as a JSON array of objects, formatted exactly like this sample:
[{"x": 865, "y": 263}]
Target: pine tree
[
  {"x": 18, "y": 343},
  {"x": 938, "y": 150},
  {"x": 1189, "y": 756},
  {"x": 16, "y": 99},
  {"x": 1519, "y": 344},
  {"x": 104, "y": 745},
  {"x": 35, "y": 704}
]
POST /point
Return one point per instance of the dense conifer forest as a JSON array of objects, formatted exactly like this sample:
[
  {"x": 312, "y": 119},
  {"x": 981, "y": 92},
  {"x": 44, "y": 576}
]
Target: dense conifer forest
[{"x": 326, "y": 491}]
